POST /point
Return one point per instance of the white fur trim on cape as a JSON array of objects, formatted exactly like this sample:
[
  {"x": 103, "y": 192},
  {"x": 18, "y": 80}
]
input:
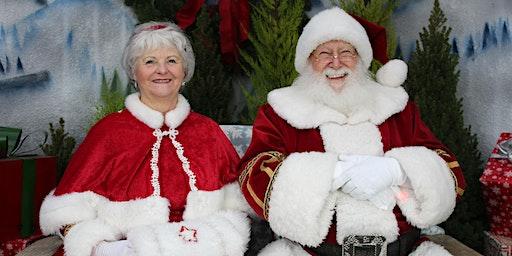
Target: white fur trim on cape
[
  {"x": 429, "y": 248},
  {"x": 155, "y": 119},
  {"x": 327, "y": 25},
  {"x": 84, "y": 236},
  {"x": 392, "y": 74},
  {"x": 57, "y": 211},
  {"x": 223, "y": 233},
  {"x": 139, "y": 212},
  {"x": 299, "y": 209},
  {"x": 356, "y": 217},
  {"x": 203, "y": 203},
  {"x": 363, "y": 138},
  {"x": 283, "y": 247},
  {"x": 73, "y": 208},
  {"x": 431, "y": 198},
  {"x": 294, "y": 105}
]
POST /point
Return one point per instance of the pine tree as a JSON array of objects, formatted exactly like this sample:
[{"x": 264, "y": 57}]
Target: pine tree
[
  {"x": 432, "y": 83},
  {"x": 379, "y": 12},
  {"x": 111, "y": 96},
  {"x": 209, "y": 91},
  {"x": 62, "y": 146},
  {"x": 276, "y": 25}
]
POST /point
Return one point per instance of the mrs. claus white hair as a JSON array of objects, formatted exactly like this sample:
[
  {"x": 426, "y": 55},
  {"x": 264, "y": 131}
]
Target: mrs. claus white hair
[{"x": 154, "y": 35}]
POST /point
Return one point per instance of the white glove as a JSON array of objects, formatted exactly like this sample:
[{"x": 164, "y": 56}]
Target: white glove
[
  {"x": 363, "y": 176},
  {"x": 121, "y": 247}
]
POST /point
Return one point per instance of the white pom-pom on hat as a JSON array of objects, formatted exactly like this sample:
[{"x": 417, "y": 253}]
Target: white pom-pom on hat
[{"x": 393, "y": 73}]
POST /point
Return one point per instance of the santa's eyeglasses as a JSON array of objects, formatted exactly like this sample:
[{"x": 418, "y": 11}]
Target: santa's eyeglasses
[{"x": 328, "y": 56}]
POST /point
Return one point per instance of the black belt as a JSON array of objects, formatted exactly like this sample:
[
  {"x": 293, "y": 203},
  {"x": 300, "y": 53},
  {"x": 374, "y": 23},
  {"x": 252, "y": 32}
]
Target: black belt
[{"x": 369, "y": 245}]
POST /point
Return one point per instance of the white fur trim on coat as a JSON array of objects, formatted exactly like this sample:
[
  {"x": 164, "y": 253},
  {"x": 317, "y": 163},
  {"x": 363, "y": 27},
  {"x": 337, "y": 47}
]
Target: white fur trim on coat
[
  {"x": 431, "y": 198},
  {"x": 155, "y": 119},
  {"x": 300, "y": 209},
  {"x": 429, "y": 248},
  {"x": 203, "y": 203},
  {"x": 357, "y": 217},
  {"x": 294, "y": 105},
  {"x": 84, "y": 236},
  {"x": 363, "y": 138},
  {"x": 223, "y": 233},
  {"x": 283, "y": 247}
]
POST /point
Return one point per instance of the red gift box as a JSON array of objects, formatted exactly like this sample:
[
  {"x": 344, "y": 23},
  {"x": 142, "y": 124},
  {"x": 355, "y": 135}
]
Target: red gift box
[
  {"x": 495, "y": 245},
  {"x": 497, "y": 190},
  {"x": 24, "y": 183}
]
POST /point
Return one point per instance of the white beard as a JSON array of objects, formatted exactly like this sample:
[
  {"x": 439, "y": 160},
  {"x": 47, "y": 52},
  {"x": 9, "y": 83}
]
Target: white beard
[{"x": 355, "y": 95}]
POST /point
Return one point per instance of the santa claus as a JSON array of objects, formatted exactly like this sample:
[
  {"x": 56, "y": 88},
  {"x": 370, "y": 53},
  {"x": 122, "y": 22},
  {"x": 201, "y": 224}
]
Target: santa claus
[{"x": 341, "y": 164}]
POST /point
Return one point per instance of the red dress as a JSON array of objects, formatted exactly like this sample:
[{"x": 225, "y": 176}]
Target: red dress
[{"x": 156, "y": 180}]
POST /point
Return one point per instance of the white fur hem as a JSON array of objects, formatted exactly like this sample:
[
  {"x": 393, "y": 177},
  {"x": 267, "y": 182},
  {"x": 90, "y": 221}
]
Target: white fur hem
[
  {"x": 431, "y": 198},
  {"x": 300, "y": 209},
  {"x": 356, "y": 217},
  {"x": 429, "y": 248},
  {"x": 84, "y": 236},
  {"x": 283, "y": 247},
  {"x": 203, "y": 203},
  {"x": 224, "y": 233}
]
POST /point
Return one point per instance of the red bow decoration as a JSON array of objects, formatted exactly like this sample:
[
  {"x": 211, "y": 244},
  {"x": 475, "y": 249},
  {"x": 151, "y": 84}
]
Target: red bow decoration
[{"x": 233, "y": 27}]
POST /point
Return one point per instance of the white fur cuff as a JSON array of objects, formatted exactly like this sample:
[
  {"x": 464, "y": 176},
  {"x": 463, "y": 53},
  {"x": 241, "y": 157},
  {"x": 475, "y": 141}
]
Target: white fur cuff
[
  {"x": 431, "y": 198},
  {"x": 301, "y": 204},
  {"x": 429, "y": 248},
  {"x": 84, "y": 236},
  {"x": 57, "y": 211}
]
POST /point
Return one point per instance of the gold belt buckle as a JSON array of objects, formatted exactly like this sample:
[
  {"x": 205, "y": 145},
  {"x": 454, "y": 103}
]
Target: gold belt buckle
[{"x": 360, "y": 245}]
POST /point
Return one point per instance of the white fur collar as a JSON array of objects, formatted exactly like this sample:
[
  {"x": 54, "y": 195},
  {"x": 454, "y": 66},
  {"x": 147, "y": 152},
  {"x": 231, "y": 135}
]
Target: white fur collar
[
  {"x": 295, "y": 106},
  {"x": 155, "y": 119}
]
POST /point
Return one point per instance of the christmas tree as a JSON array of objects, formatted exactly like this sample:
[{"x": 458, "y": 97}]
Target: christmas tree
[
  {"x": 210, "y": 91},
  {"x": 154, "y": 10},
  {"x": 275, "y": 33},
  {"x": 432, "y": 84}
]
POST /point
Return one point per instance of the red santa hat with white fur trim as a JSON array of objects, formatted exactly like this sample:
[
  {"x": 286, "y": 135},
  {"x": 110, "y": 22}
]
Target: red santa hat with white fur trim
[{"x": 368, "y": 38}]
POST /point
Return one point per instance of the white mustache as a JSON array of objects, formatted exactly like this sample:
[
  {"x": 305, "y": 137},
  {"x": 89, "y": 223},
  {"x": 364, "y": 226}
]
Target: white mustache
[{"x": 330, "y": 72}]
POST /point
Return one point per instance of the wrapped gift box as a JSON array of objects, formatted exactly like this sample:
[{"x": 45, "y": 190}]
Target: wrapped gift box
[
  {"x": 24, "y": 182},
  {"x": 496, "y": 245},
  {"x": 497, "y": 190}
]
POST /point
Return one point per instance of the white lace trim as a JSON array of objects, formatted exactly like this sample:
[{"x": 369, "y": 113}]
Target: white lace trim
[{"x": 172, "y": 133}]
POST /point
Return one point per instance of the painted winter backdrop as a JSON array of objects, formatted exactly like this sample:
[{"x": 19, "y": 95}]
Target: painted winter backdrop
[{"x": 53, "y": 54}]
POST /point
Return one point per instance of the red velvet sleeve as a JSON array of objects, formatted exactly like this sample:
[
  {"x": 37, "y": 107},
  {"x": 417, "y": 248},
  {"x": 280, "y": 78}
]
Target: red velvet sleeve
[{"x": 261, "y": 160}]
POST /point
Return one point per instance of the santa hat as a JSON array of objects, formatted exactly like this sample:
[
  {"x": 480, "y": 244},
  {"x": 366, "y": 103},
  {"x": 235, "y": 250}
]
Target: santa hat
[{"x": 366, "y": 37}]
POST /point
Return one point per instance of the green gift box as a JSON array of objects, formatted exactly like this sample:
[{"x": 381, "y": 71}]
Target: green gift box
[
  {"x": 9, "y": 140},
  {"x": 24, "y": 183}
]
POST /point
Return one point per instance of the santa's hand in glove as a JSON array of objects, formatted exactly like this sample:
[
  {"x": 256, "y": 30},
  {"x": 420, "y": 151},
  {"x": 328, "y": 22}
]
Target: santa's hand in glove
[
  {"x": 364, "y": 176},
  {"x": 116, "y": 248}
]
